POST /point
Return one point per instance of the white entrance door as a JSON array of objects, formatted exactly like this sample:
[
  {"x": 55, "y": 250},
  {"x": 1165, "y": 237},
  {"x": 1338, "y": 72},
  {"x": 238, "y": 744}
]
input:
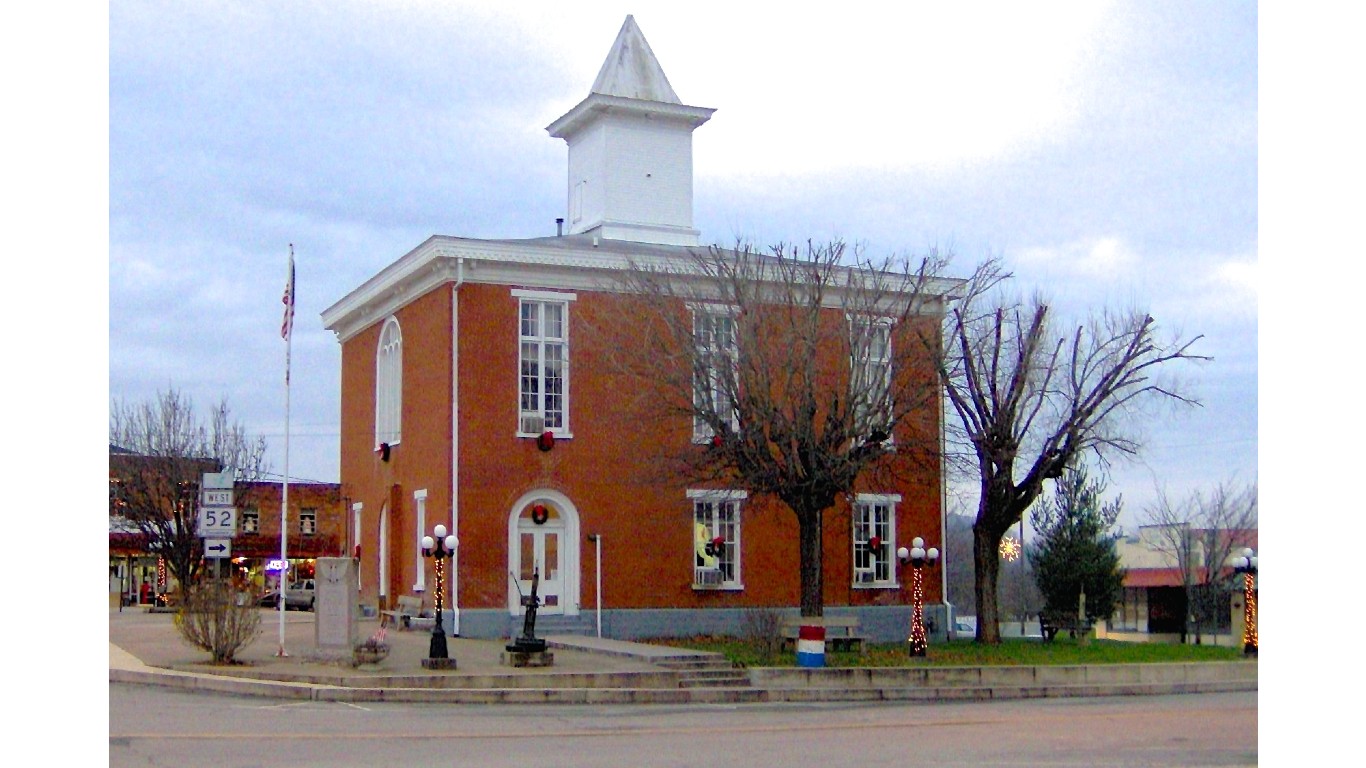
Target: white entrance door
[{"x": 540, "y": 549}]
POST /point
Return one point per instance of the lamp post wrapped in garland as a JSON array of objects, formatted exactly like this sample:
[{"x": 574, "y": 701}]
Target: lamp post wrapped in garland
[
  {"x": 1246, "y": 564},
  {"x": 918, "y": 557},
  {"x": 441, "y": 549}
]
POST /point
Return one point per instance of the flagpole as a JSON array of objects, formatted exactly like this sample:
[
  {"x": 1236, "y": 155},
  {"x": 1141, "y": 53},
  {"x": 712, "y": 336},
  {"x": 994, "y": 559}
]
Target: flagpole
[{"x": 286, "y": 330}]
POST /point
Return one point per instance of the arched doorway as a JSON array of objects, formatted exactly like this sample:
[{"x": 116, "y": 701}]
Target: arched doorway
[{"x": 543, "y": 537}]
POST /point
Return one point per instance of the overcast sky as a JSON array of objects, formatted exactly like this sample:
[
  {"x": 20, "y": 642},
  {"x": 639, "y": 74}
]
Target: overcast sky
[{"x": 1107, "y": 152}]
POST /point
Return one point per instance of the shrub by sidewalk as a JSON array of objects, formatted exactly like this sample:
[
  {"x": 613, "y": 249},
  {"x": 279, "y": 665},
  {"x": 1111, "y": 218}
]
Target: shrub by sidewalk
[{"x": 211, "y": 619}]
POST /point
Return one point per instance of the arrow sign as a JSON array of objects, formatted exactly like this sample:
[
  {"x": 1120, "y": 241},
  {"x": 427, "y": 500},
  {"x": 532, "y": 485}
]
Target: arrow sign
[{"x": 217, "y": 548}]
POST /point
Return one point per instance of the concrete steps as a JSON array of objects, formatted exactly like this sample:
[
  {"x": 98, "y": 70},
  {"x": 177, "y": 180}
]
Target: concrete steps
[{"x": 707, "y": 672}]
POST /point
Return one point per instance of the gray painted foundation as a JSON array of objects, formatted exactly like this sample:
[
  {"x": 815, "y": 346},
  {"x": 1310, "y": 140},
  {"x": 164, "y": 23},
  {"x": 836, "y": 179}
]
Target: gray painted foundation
[{"x": 880, "y": 624}]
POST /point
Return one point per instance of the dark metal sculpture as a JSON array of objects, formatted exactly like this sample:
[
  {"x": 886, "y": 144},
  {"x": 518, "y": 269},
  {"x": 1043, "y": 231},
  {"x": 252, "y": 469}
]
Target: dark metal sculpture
[{"x": 528, "y": 642}]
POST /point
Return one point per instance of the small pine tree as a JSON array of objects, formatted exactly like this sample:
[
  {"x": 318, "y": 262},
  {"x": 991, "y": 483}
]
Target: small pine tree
[{"x": 1075, "y": 549}]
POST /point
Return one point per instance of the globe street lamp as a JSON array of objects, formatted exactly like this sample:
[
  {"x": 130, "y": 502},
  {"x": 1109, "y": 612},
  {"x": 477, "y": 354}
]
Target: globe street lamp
[
  {"x": 1246, "y": 564},
  {"x": 441, "y": 548},
  {"x": 918, "y": 557}
]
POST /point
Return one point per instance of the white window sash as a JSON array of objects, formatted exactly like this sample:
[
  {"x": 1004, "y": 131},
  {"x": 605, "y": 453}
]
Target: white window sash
[
  {"x": 708, "y": 383},
  {"x": 389, "y": 384},
  {"x": 535, "y": 352},
  {"x": 720, "y": 513},
  {"x": 871, "y": 369},
  {"x": 874, "y": 515}
]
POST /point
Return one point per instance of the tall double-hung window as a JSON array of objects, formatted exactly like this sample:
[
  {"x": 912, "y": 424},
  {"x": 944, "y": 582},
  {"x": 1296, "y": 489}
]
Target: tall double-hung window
[
  {"x": 874, "y": 538},
  {"x": 714, "y": 371},
  {"x": 870, "y": 371},
  {"x": 543, "y": 362},
  {"x": 716, "y": 538},
  {"x": 389, "y": 384}
]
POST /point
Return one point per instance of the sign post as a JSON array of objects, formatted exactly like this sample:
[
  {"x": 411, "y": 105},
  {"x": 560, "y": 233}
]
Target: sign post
[{"x": 217, "y": 521}]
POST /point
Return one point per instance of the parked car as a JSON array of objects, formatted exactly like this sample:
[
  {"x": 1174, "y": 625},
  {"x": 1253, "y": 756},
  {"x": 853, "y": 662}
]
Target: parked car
[
  {"x": 300, "y": 595},
  {"x": 965, "y": 626}
]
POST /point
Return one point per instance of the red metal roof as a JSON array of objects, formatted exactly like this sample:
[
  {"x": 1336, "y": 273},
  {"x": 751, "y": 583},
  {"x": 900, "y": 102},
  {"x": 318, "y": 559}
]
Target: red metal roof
[{"x": 1153, "y": 577}]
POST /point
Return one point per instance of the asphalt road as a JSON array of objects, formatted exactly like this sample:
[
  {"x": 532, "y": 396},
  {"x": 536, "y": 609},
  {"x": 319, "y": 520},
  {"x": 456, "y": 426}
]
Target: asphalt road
[{"x": 156, "y": 727}]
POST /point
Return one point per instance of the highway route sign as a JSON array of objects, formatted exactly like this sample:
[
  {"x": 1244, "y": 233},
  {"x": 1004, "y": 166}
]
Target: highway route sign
[{"x": 217, "y": 521}]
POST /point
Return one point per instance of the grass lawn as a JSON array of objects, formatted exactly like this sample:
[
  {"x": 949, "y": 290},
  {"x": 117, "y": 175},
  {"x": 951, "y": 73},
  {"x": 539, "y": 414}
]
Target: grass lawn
[{"x": 967, "y": 653}]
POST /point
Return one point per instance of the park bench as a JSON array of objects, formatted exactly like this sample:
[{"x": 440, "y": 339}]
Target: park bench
[
  {"x": 842, "y": 633},
  {"x": 1051, "y": 625},
  {"x": 409, "y": 614}
]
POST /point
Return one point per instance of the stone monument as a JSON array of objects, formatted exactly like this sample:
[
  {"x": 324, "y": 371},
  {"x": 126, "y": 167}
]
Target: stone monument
[{"x": 335, "y": 609}]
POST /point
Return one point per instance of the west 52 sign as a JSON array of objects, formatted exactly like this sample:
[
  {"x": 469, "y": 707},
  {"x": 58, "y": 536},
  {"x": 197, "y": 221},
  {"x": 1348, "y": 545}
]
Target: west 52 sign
[{"x": 217, "y": 521}]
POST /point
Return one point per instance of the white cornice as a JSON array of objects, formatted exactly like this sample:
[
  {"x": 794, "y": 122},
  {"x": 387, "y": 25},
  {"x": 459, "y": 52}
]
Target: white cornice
[
  {"x": 571, "y": 262},
  {"x": 597, "y": 104}
]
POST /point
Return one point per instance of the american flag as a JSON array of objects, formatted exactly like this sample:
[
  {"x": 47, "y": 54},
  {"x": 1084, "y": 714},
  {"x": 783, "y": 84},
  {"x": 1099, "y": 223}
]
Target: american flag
[{"x": 288, "y": 325}]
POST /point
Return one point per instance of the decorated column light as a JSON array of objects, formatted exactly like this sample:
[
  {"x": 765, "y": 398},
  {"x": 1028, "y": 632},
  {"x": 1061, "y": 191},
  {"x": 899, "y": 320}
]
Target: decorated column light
[
  {"x": 440, "y": 548},
  {"x": 1246, "y": 564},
  {"x": 918, "y": 558},
  {"x": 160, "y": 596}
]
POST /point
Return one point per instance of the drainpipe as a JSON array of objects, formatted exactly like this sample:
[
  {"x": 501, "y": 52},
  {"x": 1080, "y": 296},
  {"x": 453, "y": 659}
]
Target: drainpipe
[
  {"x": 455, "y": 442},
  {"x": 596, "y": 538}
]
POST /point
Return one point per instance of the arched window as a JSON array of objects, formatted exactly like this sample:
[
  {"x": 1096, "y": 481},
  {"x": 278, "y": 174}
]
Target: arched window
[{"x": 389, "y": 384}]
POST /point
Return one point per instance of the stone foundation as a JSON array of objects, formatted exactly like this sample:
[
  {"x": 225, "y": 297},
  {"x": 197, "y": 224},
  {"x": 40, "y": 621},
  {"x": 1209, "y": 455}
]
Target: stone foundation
[{"x": 526, "y": 659}]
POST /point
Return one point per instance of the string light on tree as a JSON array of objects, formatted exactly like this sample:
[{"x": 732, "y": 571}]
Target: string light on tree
[{"x": 918, "y": 558}]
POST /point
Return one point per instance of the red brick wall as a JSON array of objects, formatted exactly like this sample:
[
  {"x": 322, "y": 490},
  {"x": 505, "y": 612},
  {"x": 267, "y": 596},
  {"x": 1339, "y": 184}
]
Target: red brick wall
[{"x": 609, "y": 469}]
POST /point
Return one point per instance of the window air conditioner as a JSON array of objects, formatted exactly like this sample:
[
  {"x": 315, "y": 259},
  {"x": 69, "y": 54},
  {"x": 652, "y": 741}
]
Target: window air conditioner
[
  {"x": 707, "y": 577},
  {"x": 865, "y": 577},
  {"x": 532, "y": 424}
]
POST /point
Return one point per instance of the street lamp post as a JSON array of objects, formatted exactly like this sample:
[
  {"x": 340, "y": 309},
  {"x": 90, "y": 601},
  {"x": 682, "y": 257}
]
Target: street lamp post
[
  {"x": 1246, "y": 564},
  {"x": 918, "y": 557},
  {"x": 440, "y": 549}
]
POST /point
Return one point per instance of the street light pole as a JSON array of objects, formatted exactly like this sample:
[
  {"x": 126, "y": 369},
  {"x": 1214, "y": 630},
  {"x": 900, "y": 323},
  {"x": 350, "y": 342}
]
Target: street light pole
[
  {"x": 440, "y": 549},
  {"x": 1246, "y": 564},
  {"x": 918, "y": 557}
]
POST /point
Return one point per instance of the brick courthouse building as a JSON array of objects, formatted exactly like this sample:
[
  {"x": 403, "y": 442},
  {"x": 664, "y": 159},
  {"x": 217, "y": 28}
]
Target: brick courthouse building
[{"x": 461, "y": 355}]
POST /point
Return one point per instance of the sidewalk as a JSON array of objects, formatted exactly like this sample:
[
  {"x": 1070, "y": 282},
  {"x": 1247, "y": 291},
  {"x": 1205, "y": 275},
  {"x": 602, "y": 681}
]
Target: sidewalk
[{"x": 145, "y": 648}]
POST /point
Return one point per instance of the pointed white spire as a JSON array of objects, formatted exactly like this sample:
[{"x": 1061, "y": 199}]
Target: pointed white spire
[
  {"x": 631, "y": 69},
  {"x": 630, "y": 150}
]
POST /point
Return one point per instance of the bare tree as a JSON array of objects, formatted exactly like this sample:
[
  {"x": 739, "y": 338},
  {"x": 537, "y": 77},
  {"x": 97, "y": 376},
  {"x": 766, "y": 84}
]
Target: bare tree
[
  {"x": 798, "y": 369},
  {"x": 1199, "y": 536},
  {"x": 155, "y": 485},
  {"x": 1031, "y": 399}
]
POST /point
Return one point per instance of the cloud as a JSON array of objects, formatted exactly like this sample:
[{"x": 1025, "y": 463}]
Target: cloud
[{"x": 1101, "y": 258}]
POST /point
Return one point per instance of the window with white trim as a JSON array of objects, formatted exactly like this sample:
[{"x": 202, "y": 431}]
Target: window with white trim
[
  {"x": 308, "y": 521},
  {"x": 389, "y": 384},
  {"x": 543, "y": 363},
  {"x": 251, "y": 520},
  {"x": 874, "y": 538},
  {"x": 716, "y": 539},
  {"x": 714, "y": 371},
  {"x": 870, "y": 369},
  {"x": 420, "y": 515}
]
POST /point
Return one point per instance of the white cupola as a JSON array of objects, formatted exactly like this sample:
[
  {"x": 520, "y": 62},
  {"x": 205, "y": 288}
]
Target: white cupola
[{"x": 630, "y": 150}]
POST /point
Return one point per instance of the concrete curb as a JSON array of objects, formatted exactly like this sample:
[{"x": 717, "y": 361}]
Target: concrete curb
[{"x": 239, "y": 686}]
